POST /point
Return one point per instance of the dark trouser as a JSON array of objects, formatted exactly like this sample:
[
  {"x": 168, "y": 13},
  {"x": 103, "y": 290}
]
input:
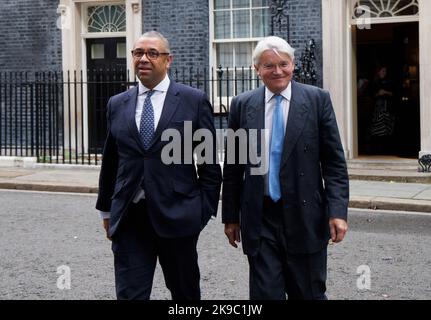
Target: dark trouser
[
  {"x": 274, "y": 272},
  {"x": 136, "y": 247}
]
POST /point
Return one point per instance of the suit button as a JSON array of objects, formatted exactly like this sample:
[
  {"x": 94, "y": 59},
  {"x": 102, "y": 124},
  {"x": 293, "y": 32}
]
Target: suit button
[
  {"x": 302, "y": 174},
  {"x": 304, "y": 202},
  {"x": 305, "y": 148}
]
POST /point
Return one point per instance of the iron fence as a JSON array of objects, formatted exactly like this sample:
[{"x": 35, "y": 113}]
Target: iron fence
[{"x": 59, "y": 117}]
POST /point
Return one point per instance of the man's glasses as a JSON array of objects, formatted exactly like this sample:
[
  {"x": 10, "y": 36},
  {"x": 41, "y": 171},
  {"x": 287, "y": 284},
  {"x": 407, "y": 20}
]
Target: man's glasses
[
  {"x": 281, "y": 65},
  {"x": 152, "y": 54}
]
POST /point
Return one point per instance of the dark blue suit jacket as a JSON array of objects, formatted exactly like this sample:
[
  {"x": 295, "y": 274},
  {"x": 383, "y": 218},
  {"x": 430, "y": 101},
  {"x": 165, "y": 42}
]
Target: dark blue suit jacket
[
  {"x": 180, "y": 199},
  {"x": 313, "y": 174}
]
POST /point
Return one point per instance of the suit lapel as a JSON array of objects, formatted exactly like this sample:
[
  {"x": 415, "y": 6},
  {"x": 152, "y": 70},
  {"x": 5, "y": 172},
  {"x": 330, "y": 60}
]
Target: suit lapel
[
  {"x": 169, "y": 107},
  {"x": 130, "y": 111},
  {"x": 255, "y": 115},
  {"x": 295, "y": 123},
  {"x": 256, "y": 110}
]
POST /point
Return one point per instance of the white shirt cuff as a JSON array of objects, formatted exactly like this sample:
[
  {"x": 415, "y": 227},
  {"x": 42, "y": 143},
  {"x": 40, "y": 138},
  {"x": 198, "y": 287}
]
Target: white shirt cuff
[{"x": 105, "y": 215}]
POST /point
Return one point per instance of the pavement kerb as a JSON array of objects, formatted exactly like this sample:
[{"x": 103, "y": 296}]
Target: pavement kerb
[
  {"x": 47, "y": 187},
  {"x": 360, "y": 202}
]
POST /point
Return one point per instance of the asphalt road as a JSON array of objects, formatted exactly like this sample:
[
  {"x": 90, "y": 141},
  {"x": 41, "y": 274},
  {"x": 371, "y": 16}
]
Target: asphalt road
[{"x": 45, "y": 233}]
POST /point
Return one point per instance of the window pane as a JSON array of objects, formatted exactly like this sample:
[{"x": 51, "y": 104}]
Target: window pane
[
  {"x": 225, "y": 55},
  {"x": 222, "y": 4},
  {"x": 222, "y": 25},
  {"x": 241, "y": 23},
  {"x": 97, "y": 51},
  {"x": 241, "y": 3},
  {"x": 260, "y": 22},
  {"x": 243, "y": 53},
  {"x": 121, "y": 50},
  {"x": 260, "y": 3}
]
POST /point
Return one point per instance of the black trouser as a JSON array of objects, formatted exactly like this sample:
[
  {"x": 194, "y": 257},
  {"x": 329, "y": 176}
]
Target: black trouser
[
  {"x": 274, "y": 272},
  {"x": 136, "y": 247}
]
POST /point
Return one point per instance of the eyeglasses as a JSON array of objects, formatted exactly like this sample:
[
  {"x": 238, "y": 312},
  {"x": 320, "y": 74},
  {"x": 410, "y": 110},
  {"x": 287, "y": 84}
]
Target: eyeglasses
[
  {"x": 282, "y": 65},
  {"x": 152, "y": 54}
]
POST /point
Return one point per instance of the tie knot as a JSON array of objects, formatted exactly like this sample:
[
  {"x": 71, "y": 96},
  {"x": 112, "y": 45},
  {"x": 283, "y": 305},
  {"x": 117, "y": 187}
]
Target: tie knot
[
  {"x": 278, "y": 98},
  {"x": 150, "y": 93}
]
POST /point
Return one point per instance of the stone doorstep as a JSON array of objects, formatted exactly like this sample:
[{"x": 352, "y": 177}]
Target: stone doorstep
[
  {"x": 20, "y": 162},
  {"x": 384, "y": 165},
  {"x": 377, "y": 176}
]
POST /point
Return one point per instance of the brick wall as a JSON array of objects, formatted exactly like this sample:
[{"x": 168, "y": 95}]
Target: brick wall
[
  {"x": 185, "y": 24},
  {"x": 305, "y": 23},
  {"x": 29, "y": 37}
]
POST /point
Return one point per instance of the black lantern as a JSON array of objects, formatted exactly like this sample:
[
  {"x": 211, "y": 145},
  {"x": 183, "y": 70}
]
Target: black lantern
[
  {"x": 305, "y": 67},
  {"x": 278, "y": 14}
]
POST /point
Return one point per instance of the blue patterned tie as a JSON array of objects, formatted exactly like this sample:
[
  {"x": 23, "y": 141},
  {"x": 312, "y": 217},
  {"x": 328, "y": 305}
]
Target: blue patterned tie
[
  {"x": 146, "y": 127},
  {"x": 276, "y": 149}
]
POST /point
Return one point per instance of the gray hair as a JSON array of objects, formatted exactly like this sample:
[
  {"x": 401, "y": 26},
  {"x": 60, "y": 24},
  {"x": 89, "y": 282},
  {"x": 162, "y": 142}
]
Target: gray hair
[
  {"x": 270, "y": 43},
  {"x": 156, "y": 34}
]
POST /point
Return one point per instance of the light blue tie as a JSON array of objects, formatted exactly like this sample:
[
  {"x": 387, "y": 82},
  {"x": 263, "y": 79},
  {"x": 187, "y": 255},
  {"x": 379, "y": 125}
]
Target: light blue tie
[
  {"x": 276, "y": 149},
  {"x": 146, "y": 127}
]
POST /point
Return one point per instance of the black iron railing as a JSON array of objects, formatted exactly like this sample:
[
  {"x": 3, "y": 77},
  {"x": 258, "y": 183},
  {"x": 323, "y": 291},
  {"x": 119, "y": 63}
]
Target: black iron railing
[{"x": 59, "y": 117}]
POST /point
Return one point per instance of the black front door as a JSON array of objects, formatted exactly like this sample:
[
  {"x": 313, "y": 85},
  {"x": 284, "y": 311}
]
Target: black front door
[
  {"x": 388, "y": 101},
  {"x": 106, "y": 76}
]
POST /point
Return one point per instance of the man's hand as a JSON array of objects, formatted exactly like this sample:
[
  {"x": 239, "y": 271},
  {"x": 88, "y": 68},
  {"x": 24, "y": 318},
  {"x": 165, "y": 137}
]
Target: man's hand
[
  {"x": 231, "y": 230},
  {"x": 338, "y": 228},
  {"x": 106, "y": 227}
]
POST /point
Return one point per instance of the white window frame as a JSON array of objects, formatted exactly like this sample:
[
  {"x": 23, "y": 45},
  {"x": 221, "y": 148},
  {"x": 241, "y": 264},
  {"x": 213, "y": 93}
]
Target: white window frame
[{"x": 213, "y": 63}]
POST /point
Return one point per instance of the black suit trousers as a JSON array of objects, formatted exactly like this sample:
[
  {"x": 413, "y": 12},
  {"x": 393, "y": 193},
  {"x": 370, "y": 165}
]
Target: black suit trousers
[
  {"x": 275, "y": 273},
  {"x": 136, "y": 247}
]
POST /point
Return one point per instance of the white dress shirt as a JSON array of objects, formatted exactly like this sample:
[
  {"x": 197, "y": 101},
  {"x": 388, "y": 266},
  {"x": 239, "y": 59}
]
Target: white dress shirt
[
  {"x": 157, "y": 100},
  {"x": 269, "y": 111}
]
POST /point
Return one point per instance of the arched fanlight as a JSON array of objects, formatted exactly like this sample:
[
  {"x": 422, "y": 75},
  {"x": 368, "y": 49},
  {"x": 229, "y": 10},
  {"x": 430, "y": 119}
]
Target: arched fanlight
[
  {"x": 384, "y": 8},
  {"x": 107, "y": 18}
]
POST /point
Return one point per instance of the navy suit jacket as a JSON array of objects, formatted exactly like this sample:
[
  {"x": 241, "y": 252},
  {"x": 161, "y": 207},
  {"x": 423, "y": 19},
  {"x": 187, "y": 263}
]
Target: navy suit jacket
[
  {"x": 313, "y": 171},
  {"x": 180, "y": 199}
]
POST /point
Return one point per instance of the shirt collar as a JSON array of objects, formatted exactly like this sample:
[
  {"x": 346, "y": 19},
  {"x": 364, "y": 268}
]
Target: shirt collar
[
  {"x": 286, "y": 93},
  {"x": 162, "y": 86}
]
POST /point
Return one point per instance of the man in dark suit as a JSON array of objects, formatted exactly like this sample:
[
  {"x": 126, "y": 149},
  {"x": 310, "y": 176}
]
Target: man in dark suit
[
  {"x": 153, "y": 208},
  {"x": 286, "y": 215}
]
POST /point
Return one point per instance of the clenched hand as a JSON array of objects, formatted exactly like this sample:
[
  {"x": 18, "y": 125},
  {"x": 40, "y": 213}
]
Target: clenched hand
[{"x": 338, "y": 228}]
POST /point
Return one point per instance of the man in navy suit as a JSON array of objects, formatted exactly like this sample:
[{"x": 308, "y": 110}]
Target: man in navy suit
[
  {"x": 286, "y": 216},
  {"x": 152, "y": 208}
]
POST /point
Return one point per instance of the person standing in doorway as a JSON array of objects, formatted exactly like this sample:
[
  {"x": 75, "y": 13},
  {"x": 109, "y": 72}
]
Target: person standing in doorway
[{"x": 383, "y": 117}]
